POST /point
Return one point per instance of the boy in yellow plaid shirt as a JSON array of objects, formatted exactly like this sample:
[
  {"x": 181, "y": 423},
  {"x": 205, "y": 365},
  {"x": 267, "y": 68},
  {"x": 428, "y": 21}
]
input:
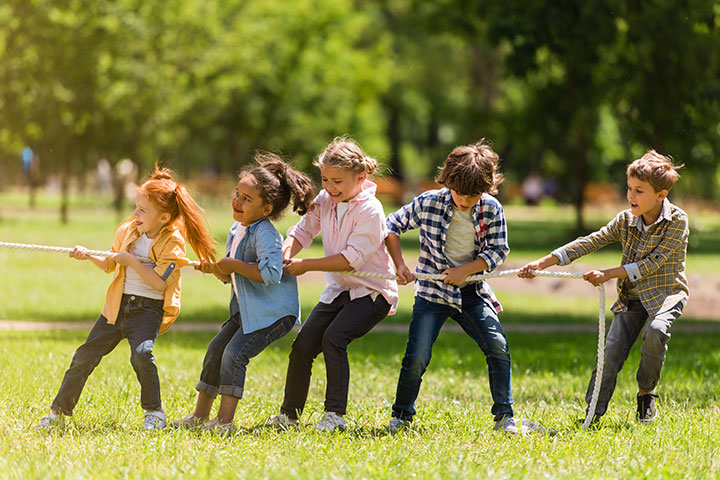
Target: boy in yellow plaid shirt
[{"x": 652, "y": 287}]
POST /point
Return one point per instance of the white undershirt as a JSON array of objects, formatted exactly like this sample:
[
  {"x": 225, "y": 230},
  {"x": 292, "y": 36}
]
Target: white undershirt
[
  {"x": 134, "y": 284},
  {"x": 239, "y": 234},
  {"x": 460, "y": 238},
  {"x": 342, "y": 209}
]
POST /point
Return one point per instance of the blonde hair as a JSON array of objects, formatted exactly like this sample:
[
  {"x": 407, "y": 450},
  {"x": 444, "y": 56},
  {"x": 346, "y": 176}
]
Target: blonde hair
[
  {"x": 346, "y": 154},
  {"x": 471, "y": 169},
  {"x": 656, "y": 169},
  {"x": 174, "y": 198}
]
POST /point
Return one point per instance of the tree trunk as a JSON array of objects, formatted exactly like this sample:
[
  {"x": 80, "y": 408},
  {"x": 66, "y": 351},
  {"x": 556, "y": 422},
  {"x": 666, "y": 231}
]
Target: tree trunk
[{"x": 580, "y": 173}]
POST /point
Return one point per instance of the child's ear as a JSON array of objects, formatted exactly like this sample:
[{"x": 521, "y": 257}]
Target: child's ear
[
  {"x": 165, "y": 218},
  {"x": 662, "y": 194},
  {"x": 362, "y": 176},
  {"x": 267, "y": 210}
]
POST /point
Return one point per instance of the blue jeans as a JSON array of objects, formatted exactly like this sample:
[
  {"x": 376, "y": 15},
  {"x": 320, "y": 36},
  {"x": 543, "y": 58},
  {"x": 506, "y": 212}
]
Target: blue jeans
[
  {"x": 229, "y": 353},
  {"x": 624, "y": 332},
  {"x": 139, "y": 321},
  {"x": 477, "y": 319}
]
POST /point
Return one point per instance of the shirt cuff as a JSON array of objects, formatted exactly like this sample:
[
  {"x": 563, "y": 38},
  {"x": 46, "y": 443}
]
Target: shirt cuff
[
  {"x": 561, "y": 255},
  {"x": 633, "y": 271}
]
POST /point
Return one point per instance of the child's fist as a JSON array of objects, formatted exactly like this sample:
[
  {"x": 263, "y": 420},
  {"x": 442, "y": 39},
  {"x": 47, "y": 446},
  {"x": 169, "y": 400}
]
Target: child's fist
[
  {"x": 404, "y": 274},
  {"x": 79, "y": 253},
  {"x": 596, "y": 277}
]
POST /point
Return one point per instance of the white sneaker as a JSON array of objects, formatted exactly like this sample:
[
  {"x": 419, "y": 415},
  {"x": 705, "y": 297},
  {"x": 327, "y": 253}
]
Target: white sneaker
[
  {"x": 222, "y": 429},
  {"x": 397, "y": 425},
  {"x": 507, "y": 425},
  {"x": 281, "y": 422},
  {"x": 154, "y": 420},
  {"x": 51, "y": 420},
  {"x": 330, "y": 422}
]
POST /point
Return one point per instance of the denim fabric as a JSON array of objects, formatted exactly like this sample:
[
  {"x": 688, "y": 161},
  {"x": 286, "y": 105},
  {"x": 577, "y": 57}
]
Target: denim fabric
[
  {"x": 139, "y": 321},
  {"x": 229, "y": 353},
  {"x": 261, "y": 303},
  {"x": 624, "y": 331},
  {"x": 479, "y": 321},
  {"x": 329, "y": 329}
]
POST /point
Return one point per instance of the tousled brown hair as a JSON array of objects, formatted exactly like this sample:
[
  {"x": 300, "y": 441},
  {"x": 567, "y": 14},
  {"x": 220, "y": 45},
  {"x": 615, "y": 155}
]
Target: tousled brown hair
[
  {"x": 656, "y": 169},
  {"x": 471, "y": 170},
  {"x": 174, "y": 198},
  {"x": 278, "y": 183}
]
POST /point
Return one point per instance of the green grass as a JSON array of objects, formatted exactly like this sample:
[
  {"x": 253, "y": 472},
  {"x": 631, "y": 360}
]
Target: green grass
[{"x": 451, "y": 438}]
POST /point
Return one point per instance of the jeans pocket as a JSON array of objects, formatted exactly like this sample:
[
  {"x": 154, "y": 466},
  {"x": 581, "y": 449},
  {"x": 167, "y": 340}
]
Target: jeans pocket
[
  {"x": 281, "y": 328},
  {"x": 381, "y": 306}
]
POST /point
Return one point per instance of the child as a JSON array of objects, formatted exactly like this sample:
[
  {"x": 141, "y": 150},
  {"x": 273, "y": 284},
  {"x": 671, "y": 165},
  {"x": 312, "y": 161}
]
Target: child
[
  {"x": 352, "y": 223},
  {"x": 462, "y": 232},
  {"x": 143, "y": 299},
  {"x": 651, "y": 279},
  {"x": 264, "y": 304}
]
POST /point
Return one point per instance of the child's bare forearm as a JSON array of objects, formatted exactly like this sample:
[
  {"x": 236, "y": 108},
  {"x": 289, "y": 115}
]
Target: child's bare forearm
[
  {"x": 392, "y": 242},
  {"x": 100, "y": 262},
  {"x": 232, "y": 265}
]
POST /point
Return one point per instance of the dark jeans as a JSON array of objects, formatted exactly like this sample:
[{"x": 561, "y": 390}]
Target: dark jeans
[
  {"x": 624, "y": 331},
  {"x": 229, "y": 353},
  {"x": 138, "y": 321},
  {"x": 329, "y": 329},
  {"x": 479, "y": 320}
]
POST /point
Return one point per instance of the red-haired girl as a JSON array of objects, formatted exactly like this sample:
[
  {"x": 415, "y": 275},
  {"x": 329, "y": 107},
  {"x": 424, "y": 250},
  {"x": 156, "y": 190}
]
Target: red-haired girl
[{"x": 143, "y": 299}]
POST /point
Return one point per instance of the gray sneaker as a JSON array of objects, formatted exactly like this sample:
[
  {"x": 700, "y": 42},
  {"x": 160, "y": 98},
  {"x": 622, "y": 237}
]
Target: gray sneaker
[
  {"x": 330, "y": 422},
  {"x": 222, "y": 429},
  {"x": 507, "y": 425},
  {"x": 189, "y": 421},
  {"x": 281, "y": 422},
  {"x": 154, "y": 420},
  {"x": 51, "y": 420},
  {"x": 397, "y": 425}
]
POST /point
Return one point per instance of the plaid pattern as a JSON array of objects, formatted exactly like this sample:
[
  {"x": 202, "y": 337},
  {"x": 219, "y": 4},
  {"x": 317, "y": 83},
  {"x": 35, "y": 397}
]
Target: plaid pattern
[
  {"x": 654, "y": 260},
  {"x": 431, "y": 212}
]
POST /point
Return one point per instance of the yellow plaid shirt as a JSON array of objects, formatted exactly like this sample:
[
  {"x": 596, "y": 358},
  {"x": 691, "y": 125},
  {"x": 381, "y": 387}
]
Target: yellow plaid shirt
[{"x": 654, "y": 259}]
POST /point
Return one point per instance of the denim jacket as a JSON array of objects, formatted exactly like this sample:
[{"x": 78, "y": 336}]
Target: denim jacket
[{"x": 262, "y": 304}]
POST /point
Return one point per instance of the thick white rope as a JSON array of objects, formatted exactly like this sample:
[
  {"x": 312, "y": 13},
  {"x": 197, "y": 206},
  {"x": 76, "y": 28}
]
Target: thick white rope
[
  {"x": 97, "y": 253},
  {"x": 423, "y": 276}
]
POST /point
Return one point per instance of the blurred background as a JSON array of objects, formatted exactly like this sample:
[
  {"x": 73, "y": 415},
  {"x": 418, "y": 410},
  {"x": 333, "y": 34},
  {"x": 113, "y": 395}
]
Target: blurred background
[{"x": 93, "y": 92}]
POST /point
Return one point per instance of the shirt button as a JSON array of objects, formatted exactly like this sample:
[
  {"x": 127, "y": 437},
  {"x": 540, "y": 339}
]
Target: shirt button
[{"x": 132, "y": 297}]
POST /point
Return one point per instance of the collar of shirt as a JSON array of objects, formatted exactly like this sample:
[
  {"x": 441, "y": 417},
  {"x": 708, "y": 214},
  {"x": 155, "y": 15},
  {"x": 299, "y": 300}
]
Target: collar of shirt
[{"x": 665, "y": 214}]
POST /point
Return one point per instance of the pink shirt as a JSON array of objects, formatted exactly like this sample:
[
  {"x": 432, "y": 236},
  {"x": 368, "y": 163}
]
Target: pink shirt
[{"x": 360, "y": 239}]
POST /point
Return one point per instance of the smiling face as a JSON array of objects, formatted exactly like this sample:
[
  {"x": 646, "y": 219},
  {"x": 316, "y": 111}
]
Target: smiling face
[
  {"x": 341, "y": 184},
  {"x": 464, "y": 202},
  {"x": 644, "y": 200},
  {"x": 248, "y": 206},
  {"x": 148, "y": 217}
]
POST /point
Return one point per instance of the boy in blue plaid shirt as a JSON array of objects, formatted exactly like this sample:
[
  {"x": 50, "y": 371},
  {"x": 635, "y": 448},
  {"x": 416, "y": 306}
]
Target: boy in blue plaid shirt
[
  {"x": 462, "y": 232},
  {"x": 652, "y": 287}
]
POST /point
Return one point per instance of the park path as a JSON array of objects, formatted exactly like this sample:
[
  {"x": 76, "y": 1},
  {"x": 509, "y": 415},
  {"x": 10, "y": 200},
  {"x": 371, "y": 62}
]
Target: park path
[{"x": 450, "y": 326}]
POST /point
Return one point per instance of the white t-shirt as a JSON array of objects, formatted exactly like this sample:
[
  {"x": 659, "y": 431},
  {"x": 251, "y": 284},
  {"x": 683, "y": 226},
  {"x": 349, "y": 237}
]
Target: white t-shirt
[
  {"x": 134, "y": 284},
  {"x": 342, "y": 209},
  {"x": 239, "y": 234},
  {"x": 460, "y": 238}
]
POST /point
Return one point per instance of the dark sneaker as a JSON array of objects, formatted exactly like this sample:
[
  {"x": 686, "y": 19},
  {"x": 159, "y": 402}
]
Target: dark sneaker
[{"x": 646, "y": 412}]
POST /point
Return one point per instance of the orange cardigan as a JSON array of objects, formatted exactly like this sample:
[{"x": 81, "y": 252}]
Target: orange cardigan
[{"x": 167, "y": 253}]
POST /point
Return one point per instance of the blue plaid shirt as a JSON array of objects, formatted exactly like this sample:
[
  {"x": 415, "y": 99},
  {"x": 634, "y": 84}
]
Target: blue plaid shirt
[{"x": 431, "y": 212}]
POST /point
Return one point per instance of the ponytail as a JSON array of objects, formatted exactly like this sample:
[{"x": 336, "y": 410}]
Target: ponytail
[
  {"x": 196, "y": 231},
  {"x": 279, "y": 184},
  {"x": 175, "y": 199}
]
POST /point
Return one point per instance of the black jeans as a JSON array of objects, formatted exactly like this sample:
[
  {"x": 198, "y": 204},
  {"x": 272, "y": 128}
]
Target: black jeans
[
  {"x": 329, "y": 329},
  {"x": 139, "y": 321}
]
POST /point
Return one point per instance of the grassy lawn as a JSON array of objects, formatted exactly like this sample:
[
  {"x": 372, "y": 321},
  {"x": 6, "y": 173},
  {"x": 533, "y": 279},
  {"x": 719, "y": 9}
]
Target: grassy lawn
[{"x": 451, "y": 438}]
